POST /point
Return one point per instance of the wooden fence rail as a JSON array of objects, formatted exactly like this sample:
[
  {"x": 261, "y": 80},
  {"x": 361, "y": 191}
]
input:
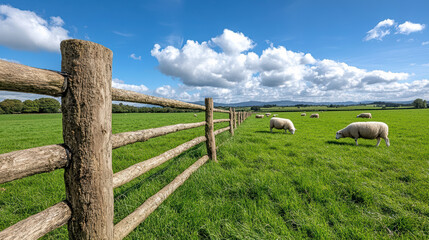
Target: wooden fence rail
[{"x": 86, "y": 155}]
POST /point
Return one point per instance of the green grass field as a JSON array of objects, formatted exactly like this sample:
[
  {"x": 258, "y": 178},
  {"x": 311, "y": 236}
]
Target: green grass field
[{"x": 265, "y": 186}]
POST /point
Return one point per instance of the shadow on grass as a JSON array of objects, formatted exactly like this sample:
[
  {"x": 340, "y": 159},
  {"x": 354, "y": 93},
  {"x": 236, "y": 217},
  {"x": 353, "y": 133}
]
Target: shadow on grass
[
  {"x": 268, "y": 131},
  {"x": 349, "y": 144}
]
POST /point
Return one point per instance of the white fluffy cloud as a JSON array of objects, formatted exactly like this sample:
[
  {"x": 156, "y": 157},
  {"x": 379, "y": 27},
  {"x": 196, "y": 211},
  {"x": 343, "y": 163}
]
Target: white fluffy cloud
[
  {"x": 232, "y": 42},
  {"x": 25, "y": 30},
  {"x": 380, "y": 30},
  {"x": 409, "y": 27},
  {"x": 384, "y": 28},
  {"x": 117, "y": 83},
  {"x": 276, "y": 74}
]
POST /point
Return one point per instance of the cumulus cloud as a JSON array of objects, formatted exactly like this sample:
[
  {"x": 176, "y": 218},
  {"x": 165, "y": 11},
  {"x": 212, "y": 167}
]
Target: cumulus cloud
[
  {"x": 380, "y": 30},
  {"x": 133, "y": 56},
  {"x": 25, "y": 30},
  {"x": 232, "y": 42},
  {"x": 277, "y": 73},
  {"x": 425, "y": 43},
  {"x": 409, "y": 27},
  {"x": 117, "y": 83}
]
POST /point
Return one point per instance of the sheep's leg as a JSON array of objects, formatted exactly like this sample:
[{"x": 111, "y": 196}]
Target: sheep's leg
[
  {"x": 378, "y": 141},
  {"x": 387, "y": 141},
  {"x": 271, "y": 129},
  {"x": 356, "y": 141}
]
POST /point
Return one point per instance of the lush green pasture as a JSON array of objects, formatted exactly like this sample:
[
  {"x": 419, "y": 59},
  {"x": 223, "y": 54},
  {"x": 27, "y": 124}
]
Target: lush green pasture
[
  {"x": 368, "y": 107},
  {"x": 265, "y": 186}
]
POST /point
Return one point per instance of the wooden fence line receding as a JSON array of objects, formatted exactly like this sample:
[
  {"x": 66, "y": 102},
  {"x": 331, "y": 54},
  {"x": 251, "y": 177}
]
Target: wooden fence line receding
[
  {"x": 86, "y": 154},
  {"x": 38, "y": 224},
  {"x": 24, "y": 163},
  {"x": 129, "y": 223},
  {"x": 136, "y": 170}
]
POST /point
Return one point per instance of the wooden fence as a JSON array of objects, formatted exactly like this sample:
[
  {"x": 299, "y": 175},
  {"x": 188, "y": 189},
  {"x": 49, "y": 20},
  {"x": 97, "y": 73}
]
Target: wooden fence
[{"x": 84, "y": 85}]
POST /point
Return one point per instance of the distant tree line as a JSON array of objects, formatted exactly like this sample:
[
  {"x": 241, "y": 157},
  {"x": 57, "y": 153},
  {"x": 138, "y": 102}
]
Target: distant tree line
[
  {"x": 41, "y": 105},
  {"x": 123, "y": 108}
]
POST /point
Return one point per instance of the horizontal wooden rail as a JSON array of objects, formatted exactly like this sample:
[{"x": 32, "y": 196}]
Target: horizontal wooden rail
[
  {"x": 136, "y": 170},
  {"x": 125, "y": 138},
  {"x": 38, "y": 224},
  {"x": 220, "y": 110},
  {"x": 221, "y": 120},
  {"x": 21, "y": 78},
  {"x": 129, "y": 223},
  {"x": 221, "y": 130},
  {"x": 23, "y": 163},
  {"x": 130, "y": 96}
]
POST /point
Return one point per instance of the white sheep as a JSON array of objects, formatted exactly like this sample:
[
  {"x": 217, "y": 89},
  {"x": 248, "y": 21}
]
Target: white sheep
[
  {"x": 366, "y": 130},
  {"x": 260, "y": 116},
  {"x": 364, "y": 115},
  {"x": 275, "y": 115},
  {"x": 303, "y": 114},
  {"x": 195, "y": 115},
  {"x": 282, "y": 123},
  {"x": 267, "y": 114},
  {"x": 314, "y": 115}
]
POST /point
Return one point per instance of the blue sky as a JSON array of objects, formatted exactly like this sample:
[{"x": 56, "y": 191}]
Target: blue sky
[{"x": 235, "y": 51}]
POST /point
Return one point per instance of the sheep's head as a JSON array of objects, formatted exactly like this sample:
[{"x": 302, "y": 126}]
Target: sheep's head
[
  {"x": 339, "y": 135},
  {"x": 292, "y": 130}
]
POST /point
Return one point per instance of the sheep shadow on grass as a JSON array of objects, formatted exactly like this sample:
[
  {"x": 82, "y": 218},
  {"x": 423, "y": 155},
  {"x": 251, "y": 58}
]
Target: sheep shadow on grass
[
  {"x": 268, "y": 131},
  {"x": 349, "y": 144}
]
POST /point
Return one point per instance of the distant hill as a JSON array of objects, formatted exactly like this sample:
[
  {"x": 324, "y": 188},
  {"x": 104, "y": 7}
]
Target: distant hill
[{"x": 293, "y": 103}]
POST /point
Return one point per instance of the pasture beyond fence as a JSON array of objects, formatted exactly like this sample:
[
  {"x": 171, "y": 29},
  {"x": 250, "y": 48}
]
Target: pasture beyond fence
[{"x": 84, "y": 85}]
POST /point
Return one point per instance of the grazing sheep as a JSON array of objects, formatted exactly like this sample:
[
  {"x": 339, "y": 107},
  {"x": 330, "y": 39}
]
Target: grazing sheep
[
  {"x": 267, "y": 114},
  {"x": 303, "y": 114},
  {"x": 260, "y": 116},
  {"x": 364, "y": 115},
  {"x": 195, "y": 115},
  {"x": 366, "y": 130},
  {"x": 275, "y": 115},
  {"x": 314, "y": 115},
  {"x": 282, "y": 123}
]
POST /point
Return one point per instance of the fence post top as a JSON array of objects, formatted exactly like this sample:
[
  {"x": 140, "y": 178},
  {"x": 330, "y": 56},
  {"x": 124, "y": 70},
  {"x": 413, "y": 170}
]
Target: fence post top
[{"x": 84, "y": 43}]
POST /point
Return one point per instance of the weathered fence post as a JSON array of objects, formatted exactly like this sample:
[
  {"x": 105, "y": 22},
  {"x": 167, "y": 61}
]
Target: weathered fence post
[
  {"x": 235, "y": 119},
  {"x": 210, "y": 143},
  {"x": 231, "y": 122},
  {"x": 87, "y": 129}
]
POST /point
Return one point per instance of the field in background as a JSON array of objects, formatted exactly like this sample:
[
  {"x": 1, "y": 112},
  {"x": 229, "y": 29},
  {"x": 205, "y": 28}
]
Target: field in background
[
  {"x": 368, "y": 107},
  {"x": 269, "y": 186}
]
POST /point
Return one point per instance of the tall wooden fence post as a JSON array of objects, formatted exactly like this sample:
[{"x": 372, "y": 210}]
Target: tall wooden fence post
[
  {"x": 87, "y": 129},
  {"x": 210, "y": 143},
  {"x": 231, "y": 121},
  {"x": 235, "y": 119}
]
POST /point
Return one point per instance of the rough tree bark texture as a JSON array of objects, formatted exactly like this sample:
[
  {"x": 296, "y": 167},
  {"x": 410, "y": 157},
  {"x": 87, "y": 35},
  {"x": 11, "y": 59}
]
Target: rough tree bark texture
[
  {"x": 210, "y": 143},
  {"x": 87, "y": 115},
  {"x": 231, "y": 122},
  {"x": 21, "y": 78},
  {"x": 39, "y": 224},
  {"x": 23, "y": 163}
]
